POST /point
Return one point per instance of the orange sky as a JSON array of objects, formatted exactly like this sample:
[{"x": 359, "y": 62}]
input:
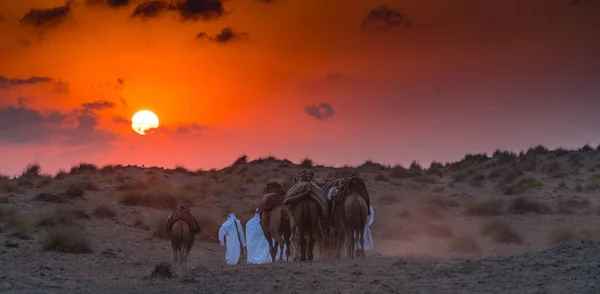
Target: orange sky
[{"x": 464, "y": 76}]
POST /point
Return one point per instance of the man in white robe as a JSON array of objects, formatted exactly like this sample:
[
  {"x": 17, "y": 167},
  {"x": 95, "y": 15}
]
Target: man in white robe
[
  {"x": 367, "y": 234},
  {"x": 257, "y": 245},
  {"x": 231, "y": 235}
]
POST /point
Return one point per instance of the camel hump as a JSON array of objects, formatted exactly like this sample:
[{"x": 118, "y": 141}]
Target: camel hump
[
  {"x": 307, "y": 190},
  {"x": 347, "y": 186},
  {"x": 270, "y": 201},
  {"x": 186, "y": 216}
]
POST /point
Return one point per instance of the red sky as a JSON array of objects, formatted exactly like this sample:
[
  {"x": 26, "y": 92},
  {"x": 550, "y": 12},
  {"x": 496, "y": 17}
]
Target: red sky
[{"x": 429, "y": 80}]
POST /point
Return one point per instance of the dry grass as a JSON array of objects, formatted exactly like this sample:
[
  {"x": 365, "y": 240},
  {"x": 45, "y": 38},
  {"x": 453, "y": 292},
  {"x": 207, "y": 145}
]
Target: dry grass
[
  {"x": 160, "y": 228},
  {"x": 572, "y": 206},
  {"x": 14, "y": 222},
  {"x": 522, "y": 186},
  {"x": 500, "y": 232},
  {"x": 464, "y": 245},
  {"x": 491, "y": 207}
]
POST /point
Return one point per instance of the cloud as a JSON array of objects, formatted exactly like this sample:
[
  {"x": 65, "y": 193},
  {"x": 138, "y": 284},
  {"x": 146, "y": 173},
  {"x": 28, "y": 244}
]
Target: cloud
[
  {"x": 121, "y": 120},
  {"x": 7, "y": 82},
  {"x": 384, "y": 18},
  {"x": 98, "y": 105},
  {"x": 188, "y": 9},
  {"x": 59, "y": 86},
  {"x": 78, "y": 127},
  {"x": 111, "y": 3},
  {"x": 225, "y": 36},
  {"x": 47, "y": 18},
  {"x": 322, "y": 111},
  {"x": 123, "y": 102},
  {"x": 191, "y": 128}
]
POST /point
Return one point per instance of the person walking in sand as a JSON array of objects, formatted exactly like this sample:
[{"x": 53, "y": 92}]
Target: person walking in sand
[
  {"x": 367, "y": 235},
  {"x": 231, "y": 235}
]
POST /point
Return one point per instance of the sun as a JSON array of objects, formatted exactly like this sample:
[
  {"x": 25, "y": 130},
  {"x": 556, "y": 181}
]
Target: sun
[{"x": 144, "y": 120}]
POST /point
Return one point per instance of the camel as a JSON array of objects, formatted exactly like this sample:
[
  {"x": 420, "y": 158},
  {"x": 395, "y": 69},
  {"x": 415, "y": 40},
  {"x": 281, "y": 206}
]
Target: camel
[
  {"x": 355, "y": 218},
  {"x": 277, "y": 224},
  {"x": 182, "y": 241},
  {"x": 183, "y": 228},
  {"x": 305, "y": 217}
]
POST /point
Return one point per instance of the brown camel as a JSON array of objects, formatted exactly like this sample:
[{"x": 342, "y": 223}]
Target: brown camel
[
  {"x": 355, "y": 213},
  {"x": 182, "y": 241},
  {"x": 306, "y": 225},
  {"x": 183, "y": 228},
  {"x": 277, "y": 228}
]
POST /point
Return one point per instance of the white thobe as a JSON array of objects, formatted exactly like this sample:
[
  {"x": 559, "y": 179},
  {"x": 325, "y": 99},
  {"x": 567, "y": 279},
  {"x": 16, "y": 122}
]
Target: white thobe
[
  {"x": 367, "y": 234},
  {"x": 232, "y": 230}
]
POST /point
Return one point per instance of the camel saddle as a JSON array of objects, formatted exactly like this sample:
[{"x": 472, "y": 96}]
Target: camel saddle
[
  {"x": 185, "y": 215},
  {"x": 345, "y": 187}
]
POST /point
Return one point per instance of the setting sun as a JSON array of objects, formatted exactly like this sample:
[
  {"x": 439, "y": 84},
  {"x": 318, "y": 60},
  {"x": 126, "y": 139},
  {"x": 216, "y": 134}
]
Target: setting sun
[{"x": 144, "y": 120}]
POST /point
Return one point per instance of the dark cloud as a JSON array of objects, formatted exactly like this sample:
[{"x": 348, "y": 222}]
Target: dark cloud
[
  {"x": 111, "y": 3},
  {"x": 322, "y": 111},
  {"x": 59, "y": 86},
  {"x": 7, "y": 82},
  {"x": 121, "y": 81},
  {"x": 384, "y": 18},
  {"x": 24, "y": 101},
  {"x": 225, "y": 36},
  {"x": 150, "y": 9},
  {"x": 98, "y": 105},
  {"x": 27, "y": 125},
  {"x": 47, "y": 18},
  {"x": 188, "y": 9}
]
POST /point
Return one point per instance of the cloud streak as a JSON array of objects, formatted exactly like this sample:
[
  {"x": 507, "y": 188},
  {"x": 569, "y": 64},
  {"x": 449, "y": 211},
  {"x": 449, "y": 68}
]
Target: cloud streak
[
  {"x": 225, "y": 36},
  {"x": 193, "y": 10},
  {"x": 384, "y": 18}
]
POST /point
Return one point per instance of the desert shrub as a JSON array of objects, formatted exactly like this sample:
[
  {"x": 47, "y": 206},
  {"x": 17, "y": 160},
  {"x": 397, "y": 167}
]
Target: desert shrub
[
  {"x": 102, "y": 211},
  {"x": 12, "y": 221},
  {"x": 209, "y": 222},
  {"x": 60, "y": 192},
  {"x": 62, "y": 215},
  {"x": 562, "y": 186},
  {"x": 415, "y": 168},
  {"x": 181, "y": 169},
  {"x": 500, "y": 232},
  {"x": 538, "y": 149},
  {"x": 381, "y": 178},
  {"x": 486, "y": 208},
  {"x": 522, "y": 205},
  {"x": 398, "y": 171},
  {"x": 66, "y": 238},
  {"x": 162, "y": 271},
  {"x": 522, "y": 186},
  {"x": 464, "y": 244},
  {"x": 586, "y": 148},
  {"x": 372, "y": 166},
  {"x": 154, "y": 193},
  {"x": 240, "y": 160},
  {"x": 436, "y": 169},
  {"x": 83, "y": 168},
  {"x": 32, "y": 170},
  {"x": 306, "y": 163},
  {"x": 504, "y": 156},
  {"x": 107, "y": 170}
]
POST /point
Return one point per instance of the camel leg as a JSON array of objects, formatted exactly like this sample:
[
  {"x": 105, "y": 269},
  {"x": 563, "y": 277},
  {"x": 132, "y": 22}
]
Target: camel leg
[{"x": 278, "y": 245}]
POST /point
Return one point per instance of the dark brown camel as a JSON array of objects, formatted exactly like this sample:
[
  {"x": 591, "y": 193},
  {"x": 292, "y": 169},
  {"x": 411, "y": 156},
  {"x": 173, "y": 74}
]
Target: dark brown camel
[
  {"x": 277, "y": 228},
  {"x": 355, "y": 214},
  {"x": 306, "y": 224}
]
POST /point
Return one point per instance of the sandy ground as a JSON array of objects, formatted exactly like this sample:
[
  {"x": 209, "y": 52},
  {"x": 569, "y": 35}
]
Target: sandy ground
[{"x": 425, "y": 241}]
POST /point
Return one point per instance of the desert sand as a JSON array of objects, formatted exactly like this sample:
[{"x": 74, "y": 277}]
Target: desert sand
[{"x": 503, "y": 223}]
